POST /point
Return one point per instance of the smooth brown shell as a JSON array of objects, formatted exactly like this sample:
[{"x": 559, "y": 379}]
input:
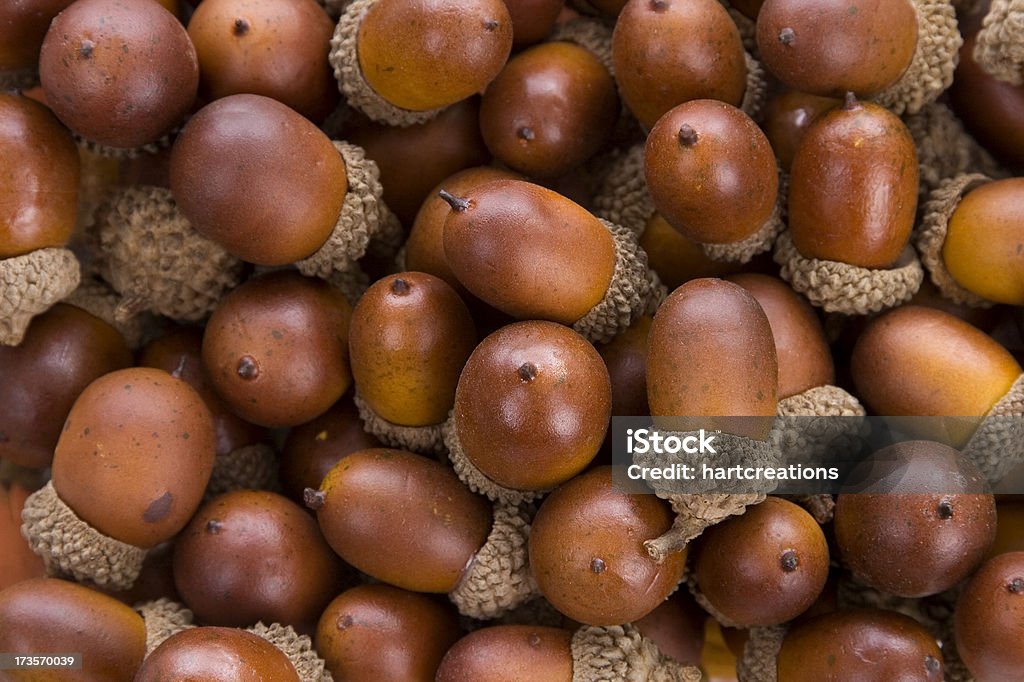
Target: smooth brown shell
[
  {"x": 411, "y": 334},
  {"x": 426, "y": 54},
  {"x": 64, "y": 350},
  {"x": 23, "y": 26},
  {"x": 532, "y": 20},
  {"x": 805, "y": 359},
  {"x": 259, "y": 179},
  {"x": 861, "y": 645},
  {"x": 989, "y": 619},
  {"x": 711, "y": 354},
  {"x": 1009, "y": 527},
  {"x": 276, "y": 348},
  {"x": 787, "y": 116},
  {"x": 532, "y": 405},
  {"x": 677, "y": 259},
  {"x": 550, "y": 109},
  {"x": 830, "y": 47},
  {"x": 50, "y": 616},
  {"x": 625, "y": 356},
  {"x": 677, "y": 628},
  {"x": 38, "y": 177},
  {"x": 120, "y": 74},
  {"x": 711, "y": 172},
  {"x": 667, "y": 52},
  {"x": 853, "y": 187},
  {"x": 529, "y": 252},
  {"x": 144, "y": 438},
  {"x": 18, "y": 562},
  {"x": 776, "y": 551},
  {"x": 380, "y": 632},
  {"x": 276, "y": 48},
  {"x": 587, "y": 552},
  {"x": 510, "y": 652},
  {"x": 402, "y": 518},
  {"x": 215, "y": 654}
]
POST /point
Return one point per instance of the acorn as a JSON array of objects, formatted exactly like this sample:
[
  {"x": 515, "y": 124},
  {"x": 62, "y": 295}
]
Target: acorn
[
  {"x": 409, "y": 338},
  {"x": 676, "y": 627},
  {"x": 678, "y": 259},
  {"x": 787, "y": 116},
  {"x": 989, "y": 618},
  {"x": 141, "y": 435},
  {"x": 19, "y": 562},
  {"x": 36, "y": 270},
  {"x": 22, "y": 29},
  {"x": 531, "y": 410},
  {"x": 273, "y": 48},
  {"x": 998, "y": 44},
  {"x": 625, "y": 356},
  {"x": 276, "y": 349},
  {"x": 1009, "y": 522},
  {"x": 98, "y": 64},
  {"x": 532, "y": 20},
  {"x": 383, "y": 632},
  {"x": 217, "y": 654},
  {"x": 568, "y": 266},
  {"x": 588, "y": 556},
  {"x": 401, "y": 61}
]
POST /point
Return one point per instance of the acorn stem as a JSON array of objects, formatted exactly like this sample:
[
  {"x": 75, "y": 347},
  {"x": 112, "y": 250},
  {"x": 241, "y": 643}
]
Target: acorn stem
[
  {"x": 687, "y": 135},
  {"x": 458, "y": 204},
  {"x": 314, "y": 499},
  {"x": 787, "y": 36}
]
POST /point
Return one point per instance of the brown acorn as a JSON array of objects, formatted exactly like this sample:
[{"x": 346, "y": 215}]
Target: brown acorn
[
  {"x": 625, "y": 356},
  {"x": 216, "y": 654},
  {"x": 667, "y": 52},
  {"x": 853, "y": 187},
  {"x": 587, "y": 552},
  {"x": 532, "y": 20},
  {"x": 677, "y": 628},
  {"x": 22, "y": 29},
  {"x": 711, "y": 172},
  {"x": 989, "y": 619},
  {"x": 677, "y": 259},
  {"x": 507, "y": 652},
  {"x": 787, "y": 116}
]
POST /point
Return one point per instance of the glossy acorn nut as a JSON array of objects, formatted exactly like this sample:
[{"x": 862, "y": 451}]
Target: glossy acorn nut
[
  {"x": 774, "y": 550},
  {"x": 677, "y": 259},
  {"x": 254, "y": 555},
  {"x": 550, "y": 109},
  {"x": 667, "y": 52},
  {"x": 830, "y": 47},
  {"x": 860, "y": 644},
  {"x": 216, "y": 654},
  {"x": 510, "y": 652},
  {"x": 625, "y": 356},
  {"x": 1009, "y": 524},
  {"x": 40, "y": 167},
  {"x": 57, "y": 616},
  {"x": 23, "y": 26},
  {"x": 677, "y": 628},
  {"x": 410, "y": 336},
  {"x": 426, "y": 54},
  {"x": 587, "y": 552},
  {"x": 532, "y": 406},
  {"x": 787, "y": 116},
  {"x": 401, "y": 518},
  {"x": 720, "y": 334},
  {"x": 711, "y": 172},
  {"x": 100, "y": 61},
  {"x": 559, "y": 256},
  {"x": 380, "y": 632},
  {"x": 19, "y": 562},
  {"x": 275, "y": 48},
  {"x": 853, "y": 187},
  {"x": 984, "y": 247},
  {"x": 276, "y": 348},
  {"x": 64, "y": 350},
  {"x": 927, "y": 531},
  {"x": 804, "y": 356},
  {"x": 259, "y": 179},
  {"x": 532, "y": 20},
  {"x": 989, "y": 619}
]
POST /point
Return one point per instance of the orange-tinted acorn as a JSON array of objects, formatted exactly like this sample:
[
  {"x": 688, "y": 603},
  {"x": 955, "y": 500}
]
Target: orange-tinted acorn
[
  {"x": 989, "y": 619},
  {"x": 677, "y": 259},
  {"x": 18, "y": 562},
  {"x": 215, "y": 654},
  {"x": 510, "y": 652}
]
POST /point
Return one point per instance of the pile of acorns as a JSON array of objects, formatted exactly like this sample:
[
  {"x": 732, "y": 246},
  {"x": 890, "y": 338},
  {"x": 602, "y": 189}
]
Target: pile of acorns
[{"x": 314, "y": 317}]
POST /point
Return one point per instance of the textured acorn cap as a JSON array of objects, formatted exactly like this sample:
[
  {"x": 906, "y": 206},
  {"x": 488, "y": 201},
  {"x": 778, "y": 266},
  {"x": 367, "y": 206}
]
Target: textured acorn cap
[
  {"x": 623, "y": 198},
  {"x": 999, "y": 49},
  {"x": 123, "y": 153},
  {"x": 997, "y": 445},
  {"x": 298, "y": 648},
  {"x": 424, "y": 440},
  {"x": 95, "y": 297},
  {"x": 931, "y": 235},
  {"x": 163, "y": 618},
  {"x": 760, "y": 654},
  {"x": 620, "y": 652},
  {"x": 819, "y": 438},
  {"x": 344, "y": 57},
  {"x": 591, "y": 34},
  {"x": 250, "y": 467},
  {"x": 756, "y": 93},
  {"x": 71, "y": 547},
  {"x": 157, "y": 261},
  {"x": 848, "y": 289},
  {"x": 474, "y": 479},
  {"x": 499, "y": 577},
  {"x": 29, "y": 285},
  {"x": 931, "y": 69}
]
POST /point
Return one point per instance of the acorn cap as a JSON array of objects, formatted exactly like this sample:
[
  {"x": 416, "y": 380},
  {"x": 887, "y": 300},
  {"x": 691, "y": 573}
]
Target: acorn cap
[
  {"x": 945, "y": 149},
  {"x": 999, "y": 49},
  {"x": 760, "y": 653},
  {"x": 423, "y": 440},
  {"x": 931, "y": 69},
  {"x": 499, "y": 577},
  {"x": 997, "y": 445},
  {"x": 746, "y": 26},
  {"x": 163, "y": 618},
  {"x": 695, "y": 513},
  {"x": 623, "y": 198},
  {"x": 756, "y": 93},
  {"x": 819, "y": 438},
  {"x": 361, "y": 218},
  {"x": 29, "y": 285},
  {"x": 352, "y": 282},
  {"x": 97, "y": 298},
  {"x": 250, "y": 467},
  {"x": 389, "y": 237},
  {"x": 931, "y": 235},
  {"x": 344, "y": 57},
  {"x": 635, "y": 290},
  {"x": 620, "y": 652},
  {"x": 475, "y": 479},
  {"x": 698, "y": 596},
  {"x": 69, "y": 546},
  {"x": 19, "y": 79},
  {"x": 589, "y": 33},
  {"x": 298, "y": 648},
  {"x": 821, "y": 506},
  {"x": 844, "y": 288},
  {"x": 125, "y": 152},
  {"x": 730, "y": 450},
  {"x": 744, "y": 250},
  {"x": 154, "y": 258}
]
